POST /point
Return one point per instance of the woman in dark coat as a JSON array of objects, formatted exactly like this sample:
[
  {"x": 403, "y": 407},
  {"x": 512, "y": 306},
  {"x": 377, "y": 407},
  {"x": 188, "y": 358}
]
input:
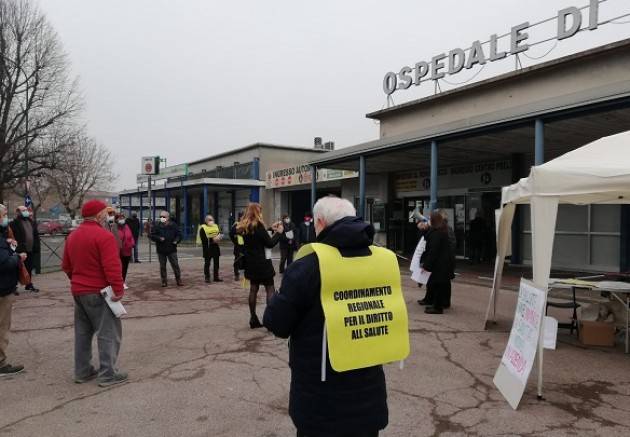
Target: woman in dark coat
[
  {"x": 258, "y": 267},
  {"x": 439, "y": 259}
]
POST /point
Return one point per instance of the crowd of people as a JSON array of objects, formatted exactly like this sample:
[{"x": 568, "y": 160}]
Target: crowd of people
[{"x": 97, "y": 255}]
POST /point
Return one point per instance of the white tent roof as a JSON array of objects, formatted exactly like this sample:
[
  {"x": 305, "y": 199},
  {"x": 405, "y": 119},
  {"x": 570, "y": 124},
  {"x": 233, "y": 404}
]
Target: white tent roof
[{"x": 595, "y": 173}]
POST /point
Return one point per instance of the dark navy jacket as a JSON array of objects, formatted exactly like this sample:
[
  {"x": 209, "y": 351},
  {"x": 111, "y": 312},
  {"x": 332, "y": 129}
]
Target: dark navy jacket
[
  {"x": 350, "y": 401},
  {"x": 9, "y": 262},
  {"x": 171, "y": 234}
]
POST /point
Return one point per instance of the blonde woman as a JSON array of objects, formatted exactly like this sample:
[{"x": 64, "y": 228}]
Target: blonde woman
[{"x": 257, "y": 261}]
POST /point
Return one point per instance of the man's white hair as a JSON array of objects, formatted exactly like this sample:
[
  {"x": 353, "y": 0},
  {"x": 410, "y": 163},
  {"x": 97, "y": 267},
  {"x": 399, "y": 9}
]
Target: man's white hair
[{"x": 330, "y": 209}]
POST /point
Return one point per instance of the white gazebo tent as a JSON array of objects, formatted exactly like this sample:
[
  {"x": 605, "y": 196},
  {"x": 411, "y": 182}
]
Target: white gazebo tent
[{"x": 598, "y": 172}]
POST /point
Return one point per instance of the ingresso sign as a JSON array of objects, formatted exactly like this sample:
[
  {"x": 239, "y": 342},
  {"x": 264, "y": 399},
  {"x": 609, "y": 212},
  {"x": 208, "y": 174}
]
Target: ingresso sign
[{"x": 569, "y": 23}]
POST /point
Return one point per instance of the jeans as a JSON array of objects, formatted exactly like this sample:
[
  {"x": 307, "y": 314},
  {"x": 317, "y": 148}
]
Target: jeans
[
  {"x": 172, "y": 259},
  {"x": 92, "y": 316},
  {"x": 215, "y": 266},
  {"x": 286, "y": 257},
  {"x": 6, "y": 305},
  {"x": 135, "y": 250}
]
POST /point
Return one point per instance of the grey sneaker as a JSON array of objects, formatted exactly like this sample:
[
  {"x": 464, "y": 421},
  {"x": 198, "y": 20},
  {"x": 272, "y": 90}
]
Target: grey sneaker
[
  {"x": 118, "y": 378},
  {"x": 93, "y": 374},
  {"x": 8, "y": 370}
]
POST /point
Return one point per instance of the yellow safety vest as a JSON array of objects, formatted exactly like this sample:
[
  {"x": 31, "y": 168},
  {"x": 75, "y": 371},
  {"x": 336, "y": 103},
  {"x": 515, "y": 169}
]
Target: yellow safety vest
[
  {"x": 364, "y": 307},
  {"x": 210, "y": 231}
]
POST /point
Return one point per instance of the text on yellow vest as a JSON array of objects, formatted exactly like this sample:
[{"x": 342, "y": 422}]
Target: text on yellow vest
[{"x": 364, "y": 308}]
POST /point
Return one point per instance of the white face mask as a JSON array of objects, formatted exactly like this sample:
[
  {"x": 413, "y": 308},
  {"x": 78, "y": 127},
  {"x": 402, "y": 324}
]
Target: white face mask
[
  {"x": 13, "y": 247},
  {"x": 163, "y": 219},
  {"x": 210, "y": 222},
  {"x": 25, "y": 214},
  {"x": 121, "y": 222},
  {"x": 307, "y": 223},
  {"x": 287, "y": 220},
  {"x": 111, "y": 218}
]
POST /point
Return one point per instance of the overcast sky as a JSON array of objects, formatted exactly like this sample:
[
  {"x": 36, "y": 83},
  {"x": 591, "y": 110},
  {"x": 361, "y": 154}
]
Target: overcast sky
[{"x": 187, "y": 79}]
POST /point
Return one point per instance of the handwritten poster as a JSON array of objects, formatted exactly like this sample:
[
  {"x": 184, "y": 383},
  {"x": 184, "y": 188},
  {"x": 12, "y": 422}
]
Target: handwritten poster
[{"x": 521, "y": 348}]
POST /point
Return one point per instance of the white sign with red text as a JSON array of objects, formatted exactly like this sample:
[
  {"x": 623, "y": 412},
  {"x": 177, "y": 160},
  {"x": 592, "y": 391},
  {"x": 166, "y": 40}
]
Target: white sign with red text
[{"x": 520, "y": 352}]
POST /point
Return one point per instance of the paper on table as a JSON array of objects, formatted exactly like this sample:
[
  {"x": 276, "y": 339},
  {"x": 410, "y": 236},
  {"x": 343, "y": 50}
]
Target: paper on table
[{"x": 117, "y": 307}]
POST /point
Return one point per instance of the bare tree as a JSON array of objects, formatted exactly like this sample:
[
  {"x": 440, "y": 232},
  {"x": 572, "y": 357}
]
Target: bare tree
[
  {"x": 87, "y": 166},
  {"x": 36, "y": 94}
]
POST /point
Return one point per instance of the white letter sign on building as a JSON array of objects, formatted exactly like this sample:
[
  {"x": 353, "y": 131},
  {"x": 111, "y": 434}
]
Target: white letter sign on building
[{"x": 570, "y": 21}]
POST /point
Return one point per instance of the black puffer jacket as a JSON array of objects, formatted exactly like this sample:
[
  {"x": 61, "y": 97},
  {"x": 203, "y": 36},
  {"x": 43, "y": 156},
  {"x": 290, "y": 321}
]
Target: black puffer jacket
[
  {"x": 9, "y": 262},
  {"x": 350, "y": 401}
]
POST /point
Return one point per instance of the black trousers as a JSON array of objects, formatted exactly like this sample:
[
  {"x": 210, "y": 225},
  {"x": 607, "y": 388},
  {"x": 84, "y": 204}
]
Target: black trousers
[
  {"x": 125, "y": 265},
  {"x": 172, "y": 259},
  {"x": 286, "y": 258},
  {"x": 354, "y": 434},
  {"x": 215, "y": 265},
  {"x": 28, "y": 263},
  {"x": 439, "y": 294}
]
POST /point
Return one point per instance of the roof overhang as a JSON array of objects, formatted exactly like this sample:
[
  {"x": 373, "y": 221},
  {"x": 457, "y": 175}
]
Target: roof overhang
[{"x": 214, "y": 184}]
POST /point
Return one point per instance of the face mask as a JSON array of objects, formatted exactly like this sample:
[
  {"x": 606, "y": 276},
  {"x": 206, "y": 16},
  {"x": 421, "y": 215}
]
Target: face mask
[
  {"x": 111, "y": 218},
  {"x": 121, "y": 222},
  {"x": 163, "y": 219},
  {"x": 307, "y": 223},
  {"x": 4, "y": 222},
  {"x": 26, "y": 214},
  {"x": 287, "y": 220},
  {"x": 210, "y": 222}
]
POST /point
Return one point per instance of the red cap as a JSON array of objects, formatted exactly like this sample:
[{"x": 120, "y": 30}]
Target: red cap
[{"x": 92, "y": 207}]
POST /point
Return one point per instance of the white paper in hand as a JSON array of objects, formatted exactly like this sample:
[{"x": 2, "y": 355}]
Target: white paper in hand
[
  {"x": 117, "y": 307},
  {"x": 289, "y": 235},
  {"x": 421, "y": 276}
]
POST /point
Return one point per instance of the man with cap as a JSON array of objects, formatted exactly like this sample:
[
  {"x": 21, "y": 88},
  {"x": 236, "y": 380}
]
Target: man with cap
[
  {"x": 91, "y": 261},
  {"x": 24, "y": 231}
]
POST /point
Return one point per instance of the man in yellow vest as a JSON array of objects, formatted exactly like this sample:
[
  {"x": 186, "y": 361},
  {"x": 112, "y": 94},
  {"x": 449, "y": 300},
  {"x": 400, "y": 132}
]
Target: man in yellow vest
[
  {"x": 209, "y": 237},
  {"x": 341, "y": 304}
]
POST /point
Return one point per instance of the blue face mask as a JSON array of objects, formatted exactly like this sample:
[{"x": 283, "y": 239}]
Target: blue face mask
[
  {"x": 26, "y": 214},
  {"x": 4, "y": 222}
]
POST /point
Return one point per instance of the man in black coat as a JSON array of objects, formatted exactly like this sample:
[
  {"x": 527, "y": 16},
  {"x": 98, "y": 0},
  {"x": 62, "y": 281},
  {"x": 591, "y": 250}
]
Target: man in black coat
[
  {"x": 306, "y": 230},
  {"x": 167, "y": 236},
  {"x": 351, "y": 403},
  {"x": 134, "y": 225},
  {"x": 9, "y": 265},
  {"x": 24, "y": 230}
]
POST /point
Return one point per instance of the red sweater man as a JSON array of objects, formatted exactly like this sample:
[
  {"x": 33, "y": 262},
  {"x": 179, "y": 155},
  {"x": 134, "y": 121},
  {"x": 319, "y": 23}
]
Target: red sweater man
[
  {"x": 91, "y": 259},
  {"x": 92, "y": 262}
]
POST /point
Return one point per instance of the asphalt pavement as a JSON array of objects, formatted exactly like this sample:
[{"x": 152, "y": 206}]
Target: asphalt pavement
[{"x": 196, "y": 369}]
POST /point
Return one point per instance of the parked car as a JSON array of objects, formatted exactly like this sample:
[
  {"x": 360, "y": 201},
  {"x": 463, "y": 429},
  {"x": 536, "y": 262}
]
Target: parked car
[{"x": 50, "y": 227}]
